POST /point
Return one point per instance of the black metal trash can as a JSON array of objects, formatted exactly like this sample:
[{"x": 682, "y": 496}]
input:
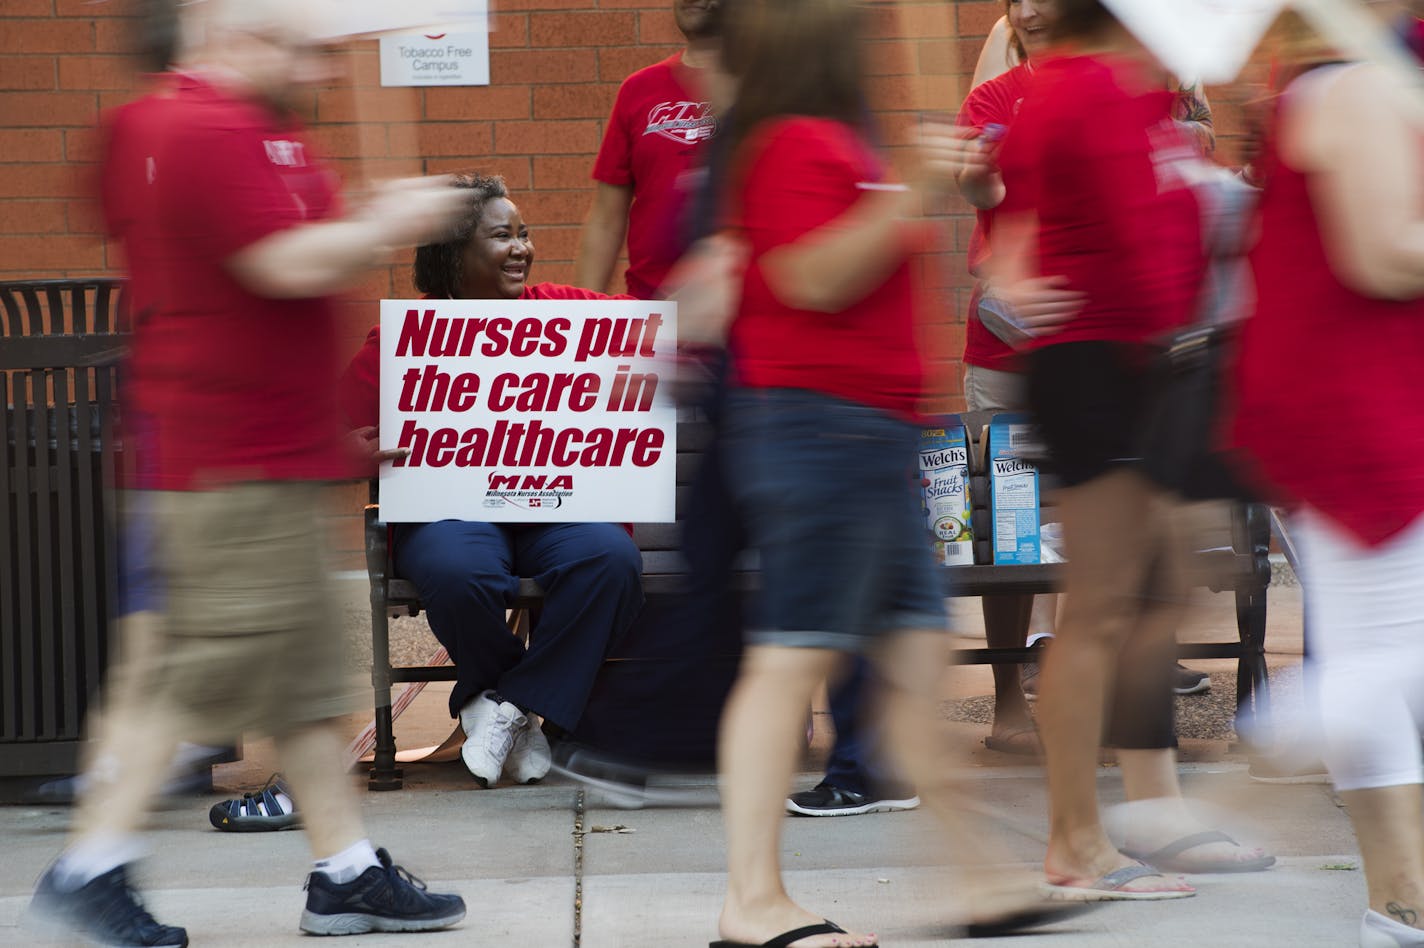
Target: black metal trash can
[{"x": 58, "y": 557}]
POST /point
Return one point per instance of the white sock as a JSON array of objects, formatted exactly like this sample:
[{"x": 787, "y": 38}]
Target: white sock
[
  {"x": 349, "y": 863},
  {"x": 1033, "y": 639},
  {"x": 93, "y": 856}
]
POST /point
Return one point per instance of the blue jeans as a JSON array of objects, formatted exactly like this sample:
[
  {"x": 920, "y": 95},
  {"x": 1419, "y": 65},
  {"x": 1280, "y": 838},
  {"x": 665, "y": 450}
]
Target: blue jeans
[
  {"x": 468, "y": 574},
  {"x": 857, "y": 761},
  {"x": 830, "y": 490}
]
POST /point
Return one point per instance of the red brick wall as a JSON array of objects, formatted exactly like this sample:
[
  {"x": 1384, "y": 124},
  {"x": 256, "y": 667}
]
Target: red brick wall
[{"x": 555, "y": 66}]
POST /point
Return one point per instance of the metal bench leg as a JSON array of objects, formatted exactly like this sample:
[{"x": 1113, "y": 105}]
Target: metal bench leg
[
  {"x": 384, "y": 774},
  {"x": 1251, "y": 532}
]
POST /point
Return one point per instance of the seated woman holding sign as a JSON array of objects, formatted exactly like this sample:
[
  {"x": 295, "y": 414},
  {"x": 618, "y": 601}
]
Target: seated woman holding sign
[{"x": 468, "y": 573}]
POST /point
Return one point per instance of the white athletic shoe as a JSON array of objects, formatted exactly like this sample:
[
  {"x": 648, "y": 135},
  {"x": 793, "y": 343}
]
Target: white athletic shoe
[
  {"x": 490, "y": 730},
  {"x": 530, "y": 758}
]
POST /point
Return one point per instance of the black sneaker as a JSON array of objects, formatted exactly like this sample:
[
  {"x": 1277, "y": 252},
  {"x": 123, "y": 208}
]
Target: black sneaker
[
  {"x": 104, "y": 911},
  {"x": 384, "y": 898},
  {"x": 828, "y": 800},
  {"x": 1188, "y": 682}
]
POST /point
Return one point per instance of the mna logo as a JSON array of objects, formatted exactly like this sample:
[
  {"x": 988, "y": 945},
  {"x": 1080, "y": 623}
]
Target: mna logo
[
  {"x": 685, "y": 122},
  {"x": 530, "y": 482},
  {"x": 528, "y": 491}
]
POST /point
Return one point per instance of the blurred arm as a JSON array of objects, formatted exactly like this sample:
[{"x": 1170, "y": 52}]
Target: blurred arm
[
  {"x": 602, "y": 237},
  {"x": 319, "y": 259},
  {"x": 978, "y": 177},
  {"x": 1365, "y": 158},
  {"x": 309, "y": 261}
]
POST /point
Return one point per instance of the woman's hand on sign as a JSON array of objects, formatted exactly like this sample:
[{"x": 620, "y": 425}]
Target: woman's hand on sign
[{"x": 364, "y": 445}]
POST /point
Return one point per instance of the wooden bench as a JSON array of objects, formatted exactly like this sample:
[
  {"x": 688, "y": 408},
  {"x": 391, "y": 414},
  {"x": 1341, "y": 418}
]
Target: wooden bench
[{"x": 1243, "y": 569}]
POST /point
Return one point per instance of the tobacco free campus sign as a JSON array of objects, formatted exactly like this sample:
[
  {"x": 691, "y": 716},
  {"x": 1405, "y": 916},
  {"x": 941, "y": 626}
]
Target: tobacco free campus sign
[
  {"x": 436, "y": 59},
  {"x": 528, "y": 410}
]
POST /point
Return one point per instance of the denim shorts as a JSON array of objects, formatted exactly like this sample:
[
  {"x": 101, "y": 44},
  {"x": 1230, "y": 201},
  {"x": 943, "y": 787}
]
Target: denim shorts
[{"x": 830, "y": 493}]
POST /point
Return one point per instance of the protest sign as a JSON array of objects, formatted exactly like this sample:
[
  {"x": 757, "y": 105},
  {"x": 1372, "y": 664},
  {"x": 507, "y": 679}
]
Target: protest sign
[{"x": 536, "y": 411}]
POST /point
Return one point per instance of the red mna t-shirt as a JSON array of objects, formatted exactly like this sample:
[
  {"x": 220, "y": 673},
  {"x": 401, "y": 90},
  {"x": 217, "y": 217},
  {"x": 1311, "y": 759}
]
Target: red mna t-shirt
[
  {"x": 242, "y": 387},
  {"x": 799, "y": 174},
  {"x": 995, "y": 102},
  {"x": 651, "y": 144},
  {"x": 1105, "y": 170}
]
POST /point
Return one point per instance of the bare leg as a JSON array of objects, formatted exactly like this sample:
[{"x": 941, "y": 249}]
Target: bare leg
[
  {"x": 1158, "y": 813},
  {"x": 1109, "y": 527},
  {"x": 1006, "y": 621},
  {"x": 1390, "y": 829},
  {"x": 311, "y": 760},
  {"x": 912, "y": 668},
  {"x": 757, "y": 748},
  {"x": 126, "y": 770}
]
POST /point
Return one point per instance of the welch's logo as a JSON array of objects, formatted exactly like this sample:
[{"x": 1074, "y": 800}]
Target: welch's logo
[
  {"x": 1012, "y": 466},
  {"x": 945, "y": 457}
]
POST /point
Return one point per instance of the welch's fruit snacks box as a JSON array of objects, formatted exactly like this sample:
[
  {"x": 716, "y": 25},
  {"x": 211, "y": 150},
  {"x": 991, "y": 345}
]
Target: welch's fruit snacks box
[
  {"x": 1013, "y": 490},
  {"x": 944, "y": 473}
]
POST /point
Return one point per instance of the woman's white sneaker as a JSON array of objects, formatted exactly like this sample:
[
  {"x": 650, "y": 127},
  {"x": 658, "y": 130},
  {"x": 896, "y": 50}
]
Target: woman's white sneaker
[
  {"x": 490, "y": 730},
  {"x": 530, "y": 758}
]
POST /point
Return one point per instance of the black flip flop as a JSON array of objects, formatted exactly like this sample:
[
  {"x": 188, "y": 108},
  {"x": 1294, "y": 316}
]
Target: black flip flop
[{"x": 786, "y": 938}]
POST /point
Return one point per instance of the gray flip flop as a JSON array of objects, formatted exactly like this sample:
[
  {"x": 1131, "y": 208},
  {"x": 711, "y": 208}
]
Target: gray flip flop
[
  {"x": 1166, "y": 857},
  {"x": 1109, "y": 888}
]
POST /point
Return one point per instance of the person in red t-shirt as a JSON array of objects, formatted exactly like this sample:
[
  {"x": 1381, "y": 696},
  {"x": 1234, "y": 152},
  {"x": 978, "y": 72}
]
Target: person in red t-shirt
[
  {"x": 1098, "y": 224},
  {"x": 821, "y": 439},
  {"x": 468, "y": 572},
  {"x": 248, "y": 244},
  {"x": 994, "y": 380},
  {"x": 1337, "y": 338},
  {"x": 649, "y": 155}
]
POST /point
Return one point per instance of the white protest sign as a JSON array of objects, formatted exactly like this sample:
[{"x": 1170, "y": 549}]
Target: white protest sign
[
  {"x": 535, "y": 411},
  {"x": 436, "y": 59},
  {"x": 1205, "y": 40}
]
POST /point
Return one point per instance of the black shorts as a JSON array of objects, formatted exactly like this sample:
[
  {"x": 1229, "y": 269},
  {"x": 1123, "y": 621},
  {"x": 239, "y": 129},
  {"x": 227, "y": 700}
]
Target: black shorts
[{"x": 1089, "y": 401}]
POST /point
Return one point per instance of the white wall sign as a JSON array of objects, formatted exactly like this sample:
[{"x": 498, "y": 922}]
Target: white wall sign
[
  {"x": 527, "y": 411},
  {"x": 436, "y": 59}
]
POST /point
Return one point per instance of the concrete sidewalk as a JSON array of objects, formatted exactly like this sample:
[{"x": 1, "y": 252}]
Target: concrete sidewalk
[{"x": 652, "y": 877}]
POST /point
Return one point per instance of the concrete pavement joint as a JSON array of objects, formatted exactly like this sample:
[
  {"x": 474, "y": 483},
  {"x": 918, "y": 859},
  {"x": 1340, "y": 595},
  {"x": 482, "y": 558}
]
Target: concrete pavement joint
[{"x": 578, "y": 867}]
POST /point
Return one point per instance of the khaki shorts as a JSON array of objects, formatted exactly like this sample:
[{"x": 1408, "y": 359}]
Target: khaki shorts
[
  {"x": 251, "y": 634},
  {"x": 993, "y": 389}
]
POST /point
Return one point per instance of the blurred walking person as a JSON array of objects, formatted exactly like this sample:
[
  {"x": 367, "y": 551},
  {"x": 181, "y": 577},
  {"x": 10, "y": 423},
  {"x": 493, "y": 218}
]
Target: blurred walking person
[
  {"x": 238, "y": 374},
  {"x": 1338, "y": 333},
  {"x": 822, "y": 433},
  {"x": 1099, "y": 233}
]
